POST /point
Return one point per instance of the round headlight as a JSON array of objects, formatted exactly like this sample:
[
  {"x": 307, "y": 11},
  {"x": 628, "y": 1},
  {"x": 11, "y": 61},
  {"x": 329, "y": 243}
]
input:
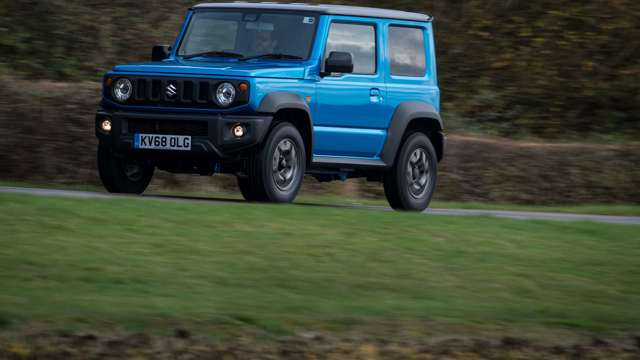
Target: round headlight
[
  {"x": 225, "y": 94},
  {"x": 122, "y": 89}
]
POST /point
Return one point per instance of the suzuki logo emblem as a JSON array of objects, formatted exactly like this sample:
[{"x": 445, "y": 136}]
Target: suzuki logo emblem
[{"x": 171, "y": 90}]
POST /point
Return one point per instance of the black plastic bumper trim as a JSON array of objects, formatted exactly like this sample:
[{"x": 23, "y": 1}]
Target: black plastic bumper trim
[{"x": 219, "y": 143}]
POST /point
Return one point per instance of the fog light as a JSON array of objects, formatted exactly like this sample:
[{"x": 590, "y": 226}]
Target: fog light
[
  {"x": 238, "y": 131},
  {"x": 105, "y": 125}
]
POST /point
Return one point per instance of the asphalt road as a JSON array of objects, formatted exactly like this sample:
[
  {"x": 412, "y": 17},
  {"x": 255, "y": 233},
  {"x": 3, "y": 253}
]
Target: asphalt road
[{"x": 628, "y": 220}]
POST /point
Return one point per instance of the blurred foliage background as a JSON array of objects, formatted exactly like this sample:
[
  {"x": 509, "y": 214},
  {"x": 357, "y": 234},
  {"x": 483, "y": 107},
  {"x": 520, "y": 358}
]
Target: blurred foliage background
[
  {"x": 520, "y": 80},
  {"x": 554, "y": 69}
]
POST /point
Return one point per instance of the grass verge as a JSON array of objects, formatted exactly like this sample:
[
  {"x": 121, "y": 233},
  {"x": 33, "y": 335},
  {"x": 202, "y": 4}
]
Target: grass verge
[{"x": 133, "y": 263}]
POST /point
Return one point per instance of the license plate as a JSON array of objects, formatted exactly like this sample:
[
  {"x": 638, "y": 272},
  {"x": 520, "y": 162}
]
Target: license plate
[{"x": 162, "y": 142}]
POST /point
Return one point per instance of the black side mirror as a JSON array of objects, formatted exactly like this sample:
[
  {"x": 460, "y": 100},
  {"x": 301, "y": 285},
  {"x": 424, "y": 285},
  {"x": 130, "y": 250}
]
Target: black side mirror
[
  {"x": 160, "y": 52},
  {"x": 338, "y": 62}
]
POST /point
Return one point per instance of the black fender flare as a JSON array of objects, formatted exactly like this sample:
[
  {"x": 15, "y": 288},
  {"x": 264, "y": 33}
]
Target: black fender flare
[
  {"x": 403, "y": 115},
  {"x": 276, "y": 101}
]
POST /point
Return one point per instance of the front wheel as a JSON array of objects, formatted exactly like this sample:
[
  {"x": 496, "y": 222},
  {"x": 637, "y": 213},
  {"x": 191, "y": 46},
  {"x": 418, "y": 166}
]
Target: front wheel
[
  {"x": 245, "y": 189},
  {"x": 411, "y": 182},
  {"x": 275, "y": 170},
  {"x": 122, "y": 175}
]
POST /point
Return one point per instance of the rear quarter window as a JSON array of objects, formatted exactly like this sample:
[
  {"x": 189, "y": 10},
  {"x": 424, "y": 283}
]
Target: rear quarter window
[{"x": 407, "y": 51}]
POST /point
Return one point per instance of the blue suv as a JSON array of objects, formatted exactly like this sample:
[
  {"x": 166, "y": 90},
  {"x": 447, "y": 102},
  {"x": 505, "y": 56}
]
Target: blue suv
[{"x": 270, "y": 92}]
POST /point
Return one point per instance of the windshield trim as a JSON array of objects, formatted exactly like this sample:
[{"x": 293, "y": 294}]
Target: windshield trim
[{"x": 248, "y": 11}]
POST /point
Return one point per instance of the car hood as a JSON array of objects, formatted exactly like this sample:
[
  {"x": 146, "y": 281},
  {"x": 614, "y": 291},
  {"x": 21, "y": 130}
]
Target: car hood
[{"x": 232, "y": 68}]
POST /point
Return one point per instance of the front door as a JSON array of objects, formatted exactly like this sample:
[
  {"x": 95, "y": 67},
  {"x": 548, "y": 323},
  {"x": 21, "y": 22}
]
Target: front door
[{"x": 351, "y": 118}]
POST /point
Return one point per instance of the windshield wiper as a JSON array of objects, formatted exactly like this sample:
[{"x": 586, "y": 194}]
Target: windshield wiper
[
  {"x": 213, "y": 53},
  {"x": 272, "y": 56}
]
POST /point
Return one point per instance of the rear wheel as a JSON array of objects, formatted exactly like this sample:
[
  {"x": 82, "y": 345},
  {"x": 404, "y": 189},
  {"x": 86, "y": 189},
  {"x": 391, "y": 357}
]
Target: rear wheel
[
  {"x": 411, "y": 182},
  {"x": 122, "y": 175},
  {"x": 276, "y": 169}
]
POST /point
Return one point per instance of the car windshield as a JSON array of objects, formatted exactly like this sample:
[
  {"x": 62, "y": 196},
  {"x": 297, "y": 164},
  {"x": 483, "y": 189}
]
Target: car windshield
[{"x": 248, "y": 35}]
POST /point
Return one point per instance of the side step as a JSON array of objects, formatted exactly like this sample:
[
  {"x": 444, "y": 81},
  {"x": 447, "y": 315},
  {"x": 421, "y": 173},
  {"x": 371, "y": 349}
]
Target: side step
[{"x": 347, "y": 163}]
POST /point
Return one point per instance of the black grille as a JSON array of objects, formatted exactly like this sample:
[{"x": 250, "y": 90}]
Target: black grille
[
  {"x": 168, "y": 127},
  {"x": 179, "y": 92}
]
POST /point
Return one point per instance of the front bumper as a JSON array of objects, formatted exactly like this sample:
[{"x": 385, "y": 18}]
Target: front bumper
[{"x": 210, "y": 134}]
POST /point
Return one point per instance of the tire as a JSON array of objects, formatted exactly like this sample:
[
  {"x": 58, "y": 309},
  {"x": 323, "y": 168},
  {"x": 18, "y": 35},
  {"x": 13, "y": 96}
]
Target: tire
[
  {"x": 122, "y": 175},
  {"x": 275, "y": 170},
  {"x": 411, "y": 182},
  {"x": 245, "y": 189}
]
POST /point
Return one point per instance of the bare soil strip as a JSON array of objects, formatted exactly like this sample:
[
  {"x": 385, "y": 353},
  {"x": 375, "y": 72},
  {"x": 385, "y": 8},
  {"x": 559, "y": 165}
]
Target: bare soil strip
[{"x": 184, "y": 345}]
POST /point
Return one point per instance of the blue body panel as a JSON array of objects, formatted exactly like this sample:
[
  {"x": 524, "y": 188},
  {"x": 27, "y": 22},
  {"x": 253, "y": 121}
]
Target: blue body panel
[
  {"x": 231, "y": 68},
  {"x": 351, "y": 113},
  {"x": 423, "y": 89},
  {"x": 350, "y": 108}
]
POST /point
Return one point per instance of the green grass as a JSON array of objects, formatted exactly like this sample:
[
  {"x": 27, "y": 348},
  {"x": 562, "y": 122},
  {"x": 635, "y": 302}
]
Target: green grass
[
  {"x": 140, "y": 263},
  {"x": 589, "y": 209},
  {"x": 332, "y": 199},
  {"x": 592, "y": 209}
]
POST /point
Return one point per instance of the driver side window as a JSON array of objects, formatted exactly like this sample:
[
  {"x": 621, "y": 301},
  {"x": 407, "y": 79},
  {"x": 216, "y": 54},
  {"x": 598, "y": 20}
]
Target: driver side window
[{"x": 357, "y": 39}]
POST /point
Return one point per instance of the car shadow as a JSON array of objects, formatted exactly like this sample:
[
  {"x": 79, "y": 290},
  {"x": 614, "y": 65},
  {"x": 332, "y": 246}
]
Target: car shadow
[{"x": 192, "y": 198}]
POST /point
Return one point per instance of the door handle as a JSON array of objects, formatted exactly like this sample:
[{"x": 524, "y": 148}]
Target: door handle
[{"x": 375, "y": 96}]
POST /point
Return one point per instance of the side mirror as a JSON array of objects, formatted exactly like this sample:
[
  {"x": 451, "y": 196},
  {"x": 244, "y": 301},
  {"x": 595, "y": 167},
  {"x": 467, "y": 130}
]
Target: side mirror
[
  {"x": 338, "y": 62},
  {"x": 160, "y": 52}
]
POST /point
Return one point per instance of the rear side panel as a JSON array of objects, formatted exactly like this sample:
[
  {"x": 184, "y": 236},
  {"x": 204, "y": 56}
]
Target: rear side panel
[{"x": 425, "y": 89}]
